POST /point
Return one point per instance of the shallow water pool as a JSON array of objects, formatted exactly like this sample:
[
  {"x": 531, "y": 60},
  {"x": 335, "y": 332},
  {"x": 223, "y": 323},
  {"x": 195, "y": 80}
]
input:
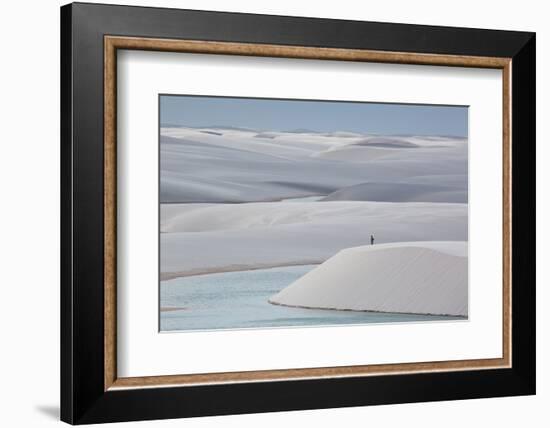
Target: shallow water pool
[{"x": 237, "y": 300}]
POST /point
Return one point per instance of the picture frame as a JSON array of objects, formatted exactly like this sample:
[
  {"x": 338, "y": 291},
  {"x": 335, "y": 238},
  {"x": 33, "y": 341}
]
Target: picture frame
[{"x": 91, "y": 390}]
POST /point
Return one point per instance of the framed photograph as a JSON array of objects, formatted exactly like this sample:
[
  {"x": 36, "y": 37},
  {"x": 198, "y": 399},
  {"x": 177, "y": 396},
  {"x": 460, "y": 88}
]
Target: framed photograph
[{"x": 266, "y": 213}]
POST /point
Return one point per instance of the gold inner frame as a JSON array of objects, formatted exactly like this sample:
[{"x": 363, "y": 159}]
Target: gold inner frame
[{"x": 113, "y": 43}]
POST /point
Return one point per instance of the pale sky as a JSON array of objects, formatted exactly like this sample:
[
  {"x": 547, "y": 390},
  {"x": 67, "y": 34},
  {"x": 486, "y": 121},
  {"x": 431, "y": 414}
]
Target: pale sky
[{"x": 321, "y": 116}]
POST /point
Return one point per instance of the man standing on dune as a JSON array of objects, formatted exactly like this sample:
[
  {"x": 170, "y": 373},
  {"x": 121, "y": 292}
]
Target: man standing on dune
[{"x": 372, "y": 240}]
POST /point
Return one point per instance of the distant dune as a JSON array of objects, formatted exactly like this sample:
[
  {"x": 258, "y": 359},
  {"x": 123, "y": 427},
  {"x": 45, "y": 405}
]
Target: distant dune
[
  {"x": 266, "y": 135},
  {"x": 353, "y": 153},
  {"x": 399, "y": 192},
  {"x": 263, "y": 215},
  {"x": 237, "y": 165},
  {"x": 234, "y": 197},
  {"x": 405, "y": 277},
  {"x": 212, "y": 133},
  {"x": 392, "y": 143},
  {"x": 199, "y": 237},
  {"x": 344, "y": 134}
]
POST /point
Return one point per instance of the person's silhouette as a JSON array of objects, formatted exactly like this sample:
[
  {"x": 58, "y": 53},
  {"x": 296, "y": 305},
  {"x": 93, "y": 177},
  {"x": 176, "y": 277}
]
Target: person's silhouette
[{"x": 372, "y": 240}]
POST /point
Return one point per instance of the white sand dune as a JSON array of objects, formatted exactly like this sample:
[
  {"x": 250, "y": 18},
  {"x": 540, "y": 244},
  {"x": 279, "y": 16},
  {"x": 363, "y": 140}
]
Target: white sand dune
[
  {"x": 459, "y": 181},
  {"x": 405, "y": 277},
  {"x": 353, "y": 153},
  {"x": 224, "y": 195},
  {"x": 198, "y": 237},
  {"x": 400, "y": 192},
  {"x": 261, "y": 215},
  {"x": 214, "y": 165},
  {"x": 395, "y": 143},
  {"x": 342, "y": 134}
]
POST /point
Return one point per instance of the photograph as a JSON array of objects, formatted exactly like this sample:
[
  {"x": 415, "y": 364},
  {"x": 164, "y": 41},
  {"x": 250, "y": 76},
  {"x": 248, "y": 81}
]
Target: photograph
[{"x": 302, "y": 213}]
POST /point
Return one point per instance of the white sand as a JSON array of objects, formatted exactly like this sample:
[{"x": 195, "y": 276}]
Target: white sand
[
  {"x": 400, "y": 192},
  {"x": 217, "y": 236},
  {"x": 406, "y": 277},
  {"x": 260, "y": 215},
  {"x": 228, "y": 165},
  {"x": 220, "y": 187}
]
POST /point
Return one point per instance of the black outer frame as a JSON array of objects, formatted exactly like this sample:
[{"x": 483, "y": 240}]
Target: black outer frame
[{"x": 83, "y": 399}]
